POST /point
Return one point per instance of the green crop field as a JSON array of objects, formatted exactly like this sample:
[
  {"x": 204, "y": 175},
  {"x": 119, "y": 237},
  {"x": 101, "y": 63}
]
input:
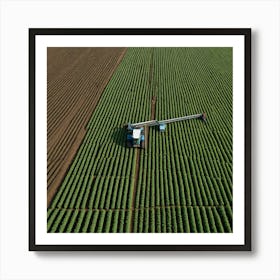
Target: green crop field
[{"x": 182, "y": 181}]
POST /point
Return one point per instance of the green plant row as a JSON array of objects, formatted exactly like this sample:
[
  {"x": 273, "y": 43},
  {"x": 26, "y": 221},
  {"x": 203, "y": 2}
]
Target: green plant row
[
  {"x": 185, "y": 174},
  {"x": 102, "y": 175},
  {"x": 191, "y": 163}
]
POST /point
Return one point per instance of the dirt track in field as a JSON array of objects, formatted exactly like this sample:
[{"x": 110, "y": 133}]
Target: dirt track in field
[
  {"x": 154, "y": 88},
  {"x": 134, "y": 189},
  {"x": 153, "y": 109},
  {"x": 76, "y": 78},
  {"x": 153, "y": 112}
]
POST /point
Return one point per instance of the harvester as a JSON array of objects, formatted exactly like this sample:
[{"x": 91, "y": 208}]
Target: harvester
[{"x": 136, "y": 131}]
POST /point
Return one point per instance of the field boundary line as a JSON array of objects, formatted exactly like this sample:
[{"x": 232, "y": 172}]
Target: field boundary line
[{"x": 141, "y": 208}]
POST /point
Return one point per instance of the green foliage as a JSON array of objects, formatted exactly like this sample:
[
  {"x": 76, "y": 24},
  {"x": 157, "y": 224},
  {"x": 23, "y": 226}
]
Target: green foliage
[
  {"x": 185, "y": 174},
  {"x": 193, "y": 227},
  {"x": 79, "y": 221},
  {"x": 73, "y": 221},
  {"x": 87, "y": 221}
]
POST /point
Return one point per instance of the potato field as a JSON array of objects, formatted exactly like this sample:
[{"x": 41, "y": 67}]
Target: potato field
[{"x": 182, "y": 181}]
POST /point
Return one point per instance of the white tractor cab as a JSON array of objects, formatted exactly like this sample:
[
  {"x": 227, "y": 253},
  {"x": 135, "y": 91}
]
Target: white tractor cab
[
  {"x": 136, "y": 133},
  {"x": 135, "y": 137}
]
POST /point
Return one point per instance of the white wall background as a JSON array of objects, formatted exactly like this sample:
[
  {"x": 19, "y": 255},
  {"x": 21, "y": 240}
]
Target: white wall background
[{"x": 16, "y": 262}]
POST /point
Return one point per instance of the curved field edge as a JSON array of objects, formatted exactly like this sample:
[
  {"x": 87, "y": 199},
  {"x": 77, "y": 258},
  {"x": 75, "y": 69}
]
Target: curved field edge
[{"x": 185, "y": 174}]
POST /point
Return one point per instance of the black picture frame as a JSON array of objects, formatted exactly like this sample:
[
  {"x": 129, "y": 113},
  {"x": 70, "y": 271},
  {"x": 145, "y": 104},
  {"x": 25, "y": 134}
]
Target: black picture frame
[{"x": 246, "y": 32}]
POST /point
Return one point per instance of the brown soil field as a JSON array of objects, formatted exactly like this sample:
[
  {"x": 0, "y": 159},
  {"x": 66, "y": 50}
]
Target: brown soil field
[{"x": 76, "y": 78}]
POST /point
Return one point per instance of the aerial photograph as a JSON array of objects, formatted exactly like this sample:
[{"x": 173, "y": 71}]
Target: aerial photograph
[{"x": 139, "y": 140}]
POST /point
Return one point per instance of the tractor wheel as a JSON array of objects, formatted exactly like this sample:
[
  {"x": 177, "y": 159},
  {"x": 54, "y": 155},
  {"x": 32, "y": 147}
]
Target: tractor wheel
[
  {"x": 128, "y": 144},
  {"x": 142, "y": 144}
]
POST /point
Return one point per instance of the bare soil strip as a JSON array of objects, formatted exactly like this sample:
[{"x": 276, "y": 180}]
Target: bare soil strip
[
  {"x": 151, "y": 72},
  {"x": 153, "y": 112},
  {"x": 134, "y": 189},
  {"x": 153, "y": 109},
  {"x": 76, "y": 79}
]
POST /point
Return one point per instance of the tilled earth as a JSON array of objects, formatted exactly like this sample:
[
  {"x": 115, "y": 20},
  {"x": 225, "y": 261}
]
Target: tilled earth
[{"x": 76, "y": 78}]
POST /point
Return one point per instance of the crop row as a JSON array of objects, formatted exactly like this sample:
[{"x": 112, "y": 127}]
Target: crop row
[
  {"x": 147, "y": 220},
  {"x": 185, "y": 174},
  {"x": 103, "y": 171},
  {"x": 191, "y": 163},
  {"x": 76, "y": 79},
  {"x": 67, "y": 220}
]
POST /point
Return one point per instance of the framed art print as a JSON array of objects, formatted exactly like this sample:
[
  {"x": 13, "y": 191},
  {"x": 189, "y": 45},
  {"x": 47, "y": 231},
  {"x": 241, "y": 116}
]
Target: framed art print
[{"x": 140, "y": 139}]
